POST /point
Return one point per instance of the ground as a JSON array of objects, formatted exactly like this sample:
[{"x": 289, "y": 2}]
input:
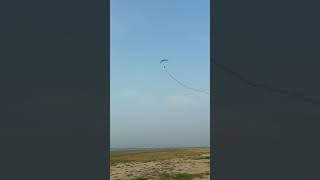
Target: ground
[{"x": 171, "y": 164}]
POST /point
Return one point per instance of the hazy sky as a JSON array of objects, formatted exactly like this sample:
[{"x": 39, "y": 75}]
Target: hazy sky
[{"x": 148, "y": 109}]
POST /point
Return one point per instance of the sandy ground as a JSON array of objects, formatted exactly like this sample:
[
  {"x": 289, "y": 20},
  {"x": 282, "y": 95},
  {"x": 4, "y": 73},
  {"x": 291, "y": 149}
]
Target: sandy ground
[{"x": 151, "y": 170}]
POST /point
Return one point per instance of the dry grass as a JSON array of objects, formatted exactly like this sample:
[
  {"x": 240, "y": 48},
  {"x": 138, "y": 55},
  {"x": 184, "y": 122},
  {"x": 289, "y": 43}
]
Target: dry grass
[
  {"x": 181, "y": 176},
  {"x": 171, "y": 164},
  {"x": 188, "y": 153},
  {"x": 177, "y": 176}
]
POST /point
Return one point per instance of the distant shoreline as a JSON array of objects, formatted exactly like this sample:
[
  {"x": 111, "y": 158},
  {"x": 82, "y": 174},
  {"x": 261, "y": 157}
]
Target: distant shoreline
[{"x": 153, "y": 149}]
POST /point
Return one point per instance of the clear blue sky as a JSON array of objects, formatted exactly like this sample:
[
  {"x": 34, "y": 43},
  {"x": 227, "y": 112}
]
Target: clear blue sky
[{"x": 148, "y": 109}]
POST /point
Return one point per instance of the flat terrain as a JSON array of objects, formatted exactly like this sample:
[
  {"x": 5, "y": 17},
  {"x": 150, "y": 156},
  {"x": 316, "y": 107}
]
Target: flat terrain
[{"x": 162, "y": 164}]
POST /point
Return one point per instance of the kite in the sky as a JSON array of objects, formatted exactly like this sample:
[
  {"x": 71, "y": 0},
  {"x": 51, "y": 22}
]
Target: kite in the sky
[
  {"x": 163, "y": 60},
  {"x": 179, "y": 82}
]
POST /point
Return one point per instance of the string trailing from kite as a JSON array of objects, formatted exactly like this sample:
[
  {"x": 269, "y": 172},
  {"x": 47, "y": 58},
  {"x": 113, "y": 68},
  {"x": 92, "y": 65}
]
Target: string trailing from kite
[
  {"x": 264, "y": 86},
  {"x": 179, "y": 82}
]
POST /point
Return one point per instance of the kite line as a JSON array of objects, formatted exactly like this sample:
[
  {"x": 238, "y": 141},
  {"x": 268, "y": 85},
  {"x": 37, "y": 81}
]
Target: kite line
[
  {"x": 264, "y": 86},
  {"x": 179, "y": 82}
]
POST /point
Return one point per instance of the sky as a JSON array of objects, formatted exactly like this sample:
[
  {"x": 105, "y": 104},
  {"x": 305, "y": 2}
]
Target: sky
[{"x": 147, "y": 108}]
